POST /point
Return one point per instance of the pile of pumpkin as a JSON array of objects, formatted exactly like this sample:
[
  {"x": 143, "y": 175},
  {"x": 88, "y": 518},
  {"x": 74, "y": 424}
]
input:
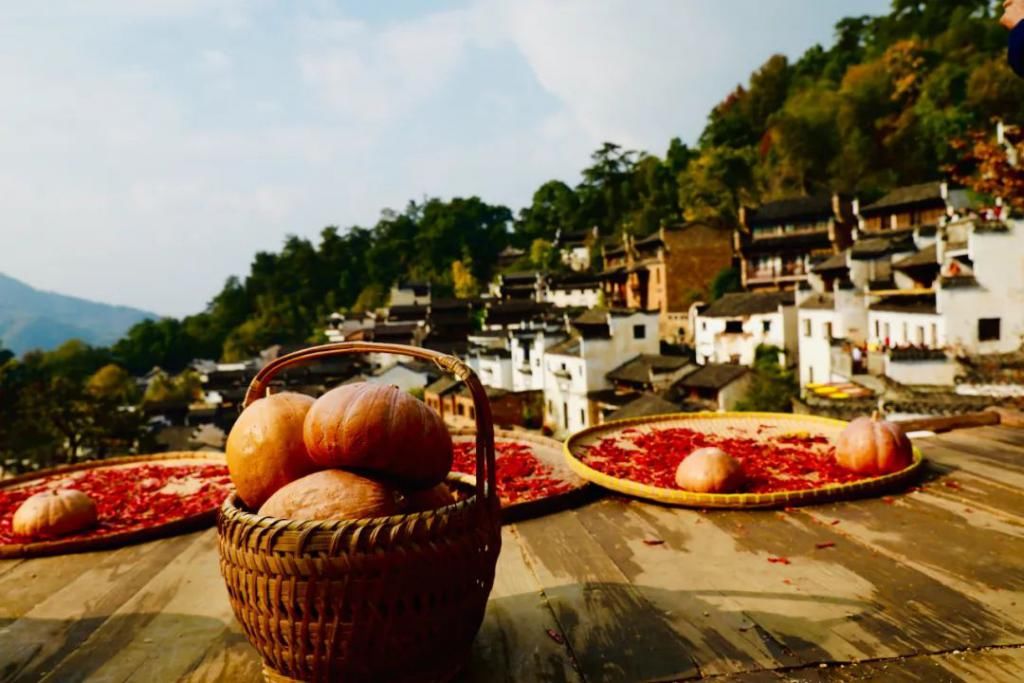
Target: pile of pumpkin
[
  {"x": 360, "y": 450},
  {"x": 869, "y": 446}
]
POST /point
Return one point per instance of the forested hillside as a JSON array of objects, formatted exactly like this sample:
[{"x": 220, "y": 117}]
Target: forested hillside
[{"x": 882, "y": 106}]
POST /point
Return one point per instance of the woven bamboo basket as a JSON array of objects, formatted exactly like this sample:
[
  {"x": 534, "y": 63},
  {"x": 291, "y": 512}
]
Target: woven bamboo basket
[{"x": 386, "y": 599}]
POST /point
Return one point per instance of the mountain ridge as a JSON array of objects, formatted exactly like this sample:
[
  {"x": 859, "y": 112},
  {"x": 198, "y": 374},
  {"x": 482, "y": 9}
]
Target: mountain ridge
[{"x": 32, "y": 318}]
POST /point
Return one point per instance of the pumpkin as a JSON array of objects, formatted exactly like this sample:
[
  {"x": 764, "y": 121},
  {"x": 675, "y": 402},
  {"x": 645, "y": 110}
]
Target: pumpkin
[
  {"x": 379, "y": 428},
  {"x": 709, "y": 470},
  {"x": 265, "y": 450},
  {"x": 56, "y": 512},
  {"x": 334, "y": 494},
  {"x": 429, "y": 499},
  {"x": 873, "y": 446}
]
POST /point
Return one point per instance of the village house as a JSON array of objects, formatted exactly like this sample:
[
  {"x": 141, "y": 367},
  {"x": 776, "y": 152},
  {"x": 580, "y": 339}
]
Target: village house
[
  {"x": 714, "y": 386},
  {"x": 508, "y": 408},
  {"x": 779, "y": 242},
  {"x": 579, "y": 365},
  {"x": 527, "y": 346},
  {"x": 408, "y": 293},
  {"x": 731, "y": 328},
  {"x": 829, "y": 326},
  {"x": 643, "y": 374},
  {"x": 924, "y": 205},
  {"x": 575, "y": 290},
  {"x": 574, "y": 248},
  {"x": 666, "y": 272},
  {"x": 440, "y": 395},
  {"x": 528, "y": 285},
  {"x": 407, "y": 375}
]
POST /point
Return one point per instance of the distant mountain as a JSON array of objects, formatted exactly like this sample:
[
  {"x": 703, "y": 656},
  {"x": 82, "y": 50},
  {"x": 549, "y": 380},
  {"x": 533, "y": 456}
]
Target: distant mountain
[{"x": 33, "y": 319}]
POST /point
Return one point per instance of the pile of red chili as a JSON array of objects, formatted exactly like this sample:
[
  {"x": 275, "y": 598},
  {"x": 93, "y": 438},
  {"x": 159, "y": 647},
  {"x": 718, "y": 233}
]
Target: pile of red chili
[
  {"x": 521, "y": 477},
  {"x": 770, "y": 463},
  {"x": 127, "y": 497}
]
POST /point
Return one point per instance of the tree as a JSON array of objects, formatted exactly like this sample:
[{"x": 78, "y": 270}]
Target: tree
[
  {"x": 773, "y": 387},
  {"x": 543, "y": 255},
  {"x": 725, "y": 281},
  {"x": 463, "y": 282},
  {"x": 112, "y": 382}
]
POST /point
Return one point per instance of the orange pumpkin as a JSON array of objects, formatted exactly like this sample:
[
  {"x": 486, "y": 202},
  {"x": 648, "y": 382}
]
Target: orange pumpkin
[
  {"x": 429, "y": 499},
  {"x": 334, "y": 494},
  {"x": 382, "y": 429},
  {"x": 873, "y": 446},
  {"x": 709, "y": 470},
  {"x": 265, "y": 450},
  {"x": 54, "y": 513}
]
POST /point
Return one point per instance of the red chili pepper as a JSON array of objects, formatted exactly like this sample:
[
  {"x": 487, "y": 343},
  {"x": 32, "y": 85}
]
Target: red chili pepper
[
  {"x": 827, "y": 544},
  {"x": 127, "y": 497},
  {"x": 769, "y": 463},
  {"x": 653, "y": 541},
  {"x": 952, "y": 484},
  {"x": 556, "y": 636},
  {"x": 519, "y": 475},
  {"x": 779, "y": 560}
]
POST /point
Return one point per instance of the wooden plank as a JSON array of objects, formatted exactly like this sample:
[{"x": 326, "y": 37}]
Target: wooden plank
[
  {"x": 613, "y": 631},
  {"x": 230, "y": 657},
  {"x": 1005, "y": 434},
  {"x": 1008, "y": 417},
  {"x": 985, "y": 445},
  {"x": 8, "y": 565},
  {"x": 950, "y": 422},
  {"x": 164, "y": 629},
  {"x": 514, "y": 643},
  {"x": 980, "y": 461},
  {"x": 958, "y": 582},
  {"x": 30, "y": 582},
  {"x": 673, "y": 560},
  {"x": 60, "y": 622},
  {"x": 1003, "y": 664}
]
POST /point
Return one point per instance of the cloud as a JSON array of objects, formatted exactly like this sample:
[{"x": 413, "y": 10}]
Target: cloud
[{"x": 215, "y": 61}]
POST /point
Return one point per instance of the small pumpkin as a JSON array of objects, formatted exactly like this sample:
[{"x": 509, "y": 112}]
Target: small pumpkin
[
  {"x": 379, "y": 428},
  {"x": 873, "y": 446},
  {"x": 709, "y": 470},
  {"x": 334, "y": 494},
  {"x": 56, "y": 512},
  {"x": 429, "y": 499},
  {"x": 265, "y": 449}
]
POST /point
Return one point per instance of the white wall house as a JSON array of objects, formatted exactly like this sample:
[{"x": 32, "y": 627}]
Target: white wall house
[
  {"x": 577, "y": 366},
  {"x": 731, "y": 329},
  {"x": 410, "y": 294},
  {"x": 823, "y": 320},
  {"x": 527, "y": 347},
  {"x": 574, "y": 292},
  {"x": 493, "y": 367},
  {"x": 405, "y": 376}
]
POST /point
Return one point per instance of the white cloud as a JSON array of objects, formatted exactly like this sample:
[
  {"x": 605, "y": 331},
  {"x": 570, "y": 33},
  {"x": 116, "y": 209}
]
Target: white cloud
[{"x": 215, "y": 61}]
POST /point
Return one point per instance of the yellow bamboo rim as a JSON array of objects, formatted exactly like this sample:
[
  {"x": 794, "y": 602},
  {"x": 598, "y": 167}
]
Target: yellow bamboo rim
[{"x": 787, "y": 422}]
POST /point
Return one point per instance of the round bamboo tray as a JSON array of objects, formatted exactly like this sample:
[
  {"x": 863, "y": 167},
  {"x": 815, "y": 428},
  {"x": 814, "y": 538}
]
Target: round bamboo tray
[
  {"x": 733, "y": 424},
  {"x": 549, "y": 452},
  {"x": 385, "y": 599},
  {"x": 115, "y": 540}
]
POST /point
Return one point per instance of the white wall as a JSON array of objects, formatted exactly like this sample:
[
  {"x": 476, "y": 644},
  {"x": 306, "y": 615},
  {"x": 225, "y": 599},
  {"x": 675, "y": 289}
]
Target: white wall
[
  {"x": 495, "y": 372},
  {"x": 714, "y": 345},
  {"x": 906, "y": 328},
  {"x": 921, "y": 372},
  {"x": 815, "y": 344},
  {"x": 999, "y": 268},
  {"x": 574, "y": 298},
  {"x": 577, "y": 258},
  {"x": 401, "y": 376}
]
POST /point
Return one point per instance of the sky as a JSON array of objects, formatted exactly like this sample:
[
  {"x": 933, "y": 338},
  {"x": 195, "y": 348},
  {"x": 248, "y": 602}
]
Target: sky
[{"x": 149, "y": 149}]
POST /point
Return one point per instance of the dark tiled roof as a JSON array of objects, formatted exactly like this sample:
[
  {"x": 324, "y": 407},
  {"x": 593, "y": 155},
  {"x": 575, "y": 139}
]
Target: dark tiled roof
[
  {"x": 492, "y": 392},
  {"x": 407, "y": 312},
  {"x": 576, "y": 281},
  {"x": 640, "y": 368},
  {"x": 713, "y": 376},
  {"x": 651, "y": 241},
  {"x": 612, "y": 397},
  {"x": 443, "y": 385},
  {"x": 926, "y": 257},
  {"x": 880, "y": 245},
  {"x": 644, "y": 405},
  {"x": 991, "y": 226},
  {"x": 921, "y": 303},
  {"x": 917, "y": 354},
  {"x": 418, "y": 288},
  {"x": 790, "y": 210},
  {"x": 566, "y": 347},
  {"x": 959, "y": 282},
  {"x": 834, "y": 262},
  {"x": 492, "y": 353},
  {"x": 905, "y": 196},
  {"x": 404, "y": 329},
  {"x": 821, "y": 302},
  {"x": 748, "y": 303},
  {"x": 801, "y": 241}
]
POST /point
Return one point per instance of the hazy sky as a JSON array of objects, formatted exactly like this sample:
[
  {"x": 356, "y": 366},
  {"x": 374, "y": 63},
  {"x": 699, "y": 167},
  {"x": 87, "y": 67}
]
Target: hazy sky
[{"x": 148, "y": 148}]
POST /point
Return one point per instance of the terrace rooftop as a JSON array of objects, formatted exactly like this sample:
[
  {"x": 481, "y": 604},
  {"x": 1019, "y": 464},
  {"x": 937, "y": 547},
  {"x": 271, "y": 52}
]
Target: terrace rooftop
[{"x": 923, "y": 585}]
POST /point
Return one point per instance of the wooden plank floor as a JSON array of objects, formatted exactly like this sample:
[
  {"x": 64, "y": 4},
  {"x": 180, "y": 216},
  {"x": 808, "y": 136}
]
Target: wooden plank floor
[{"x": 922, "y": 585}]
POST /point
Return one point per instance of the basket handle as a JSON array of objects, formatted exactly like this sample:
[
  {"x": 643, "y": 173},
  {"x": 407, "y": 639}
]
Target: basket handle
[{"x": 485, "y": 484}]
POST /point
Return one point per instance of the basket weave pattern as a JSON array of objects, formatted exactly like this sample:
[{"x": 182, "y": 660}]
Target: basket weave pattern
[{"x": 386, "y": 599}]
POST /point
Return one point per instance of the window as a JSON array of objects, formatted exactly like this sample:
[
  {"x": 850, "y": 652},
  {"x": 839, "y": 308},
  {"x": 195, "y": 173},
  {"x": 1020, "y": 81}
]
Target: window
[
  {"x": 639, "y": 331},
  {"x": 461, "y": 409},
  {"x": 583, "y": 417},
  {"x": 565, "y": 415},
  {"x": 935, "y": 335},
  {"x": 472, "y": 413},
  {"x": 563, "y": 367},
  {"x": 988, "y": 329},
  {"x": 807, "y": 328},
  {"x": 888, "y": 331},
  {"x": 704, "y": 325},
  {"x": 734, "y": 326},
  {"x": 734, "y": 359},
  {"x": 810, "y": 374},
  {"x": 766, "y": 326},
  {"x": 551, "y": 407},
  {"x": 826, "y": 330},
  {"x": 878, "y": 329},
  {"x": 919, "y": 335},
  {"x": 906, "y": 333}
]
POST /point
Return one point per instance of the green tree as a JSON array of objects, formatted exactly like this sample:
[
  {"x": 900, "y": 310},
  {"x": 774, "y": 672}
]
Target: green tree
[
  {"x": 773, "y": 387},
  {"x": 725, "y": 281},
  {"x": 465, "y": 285}
]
